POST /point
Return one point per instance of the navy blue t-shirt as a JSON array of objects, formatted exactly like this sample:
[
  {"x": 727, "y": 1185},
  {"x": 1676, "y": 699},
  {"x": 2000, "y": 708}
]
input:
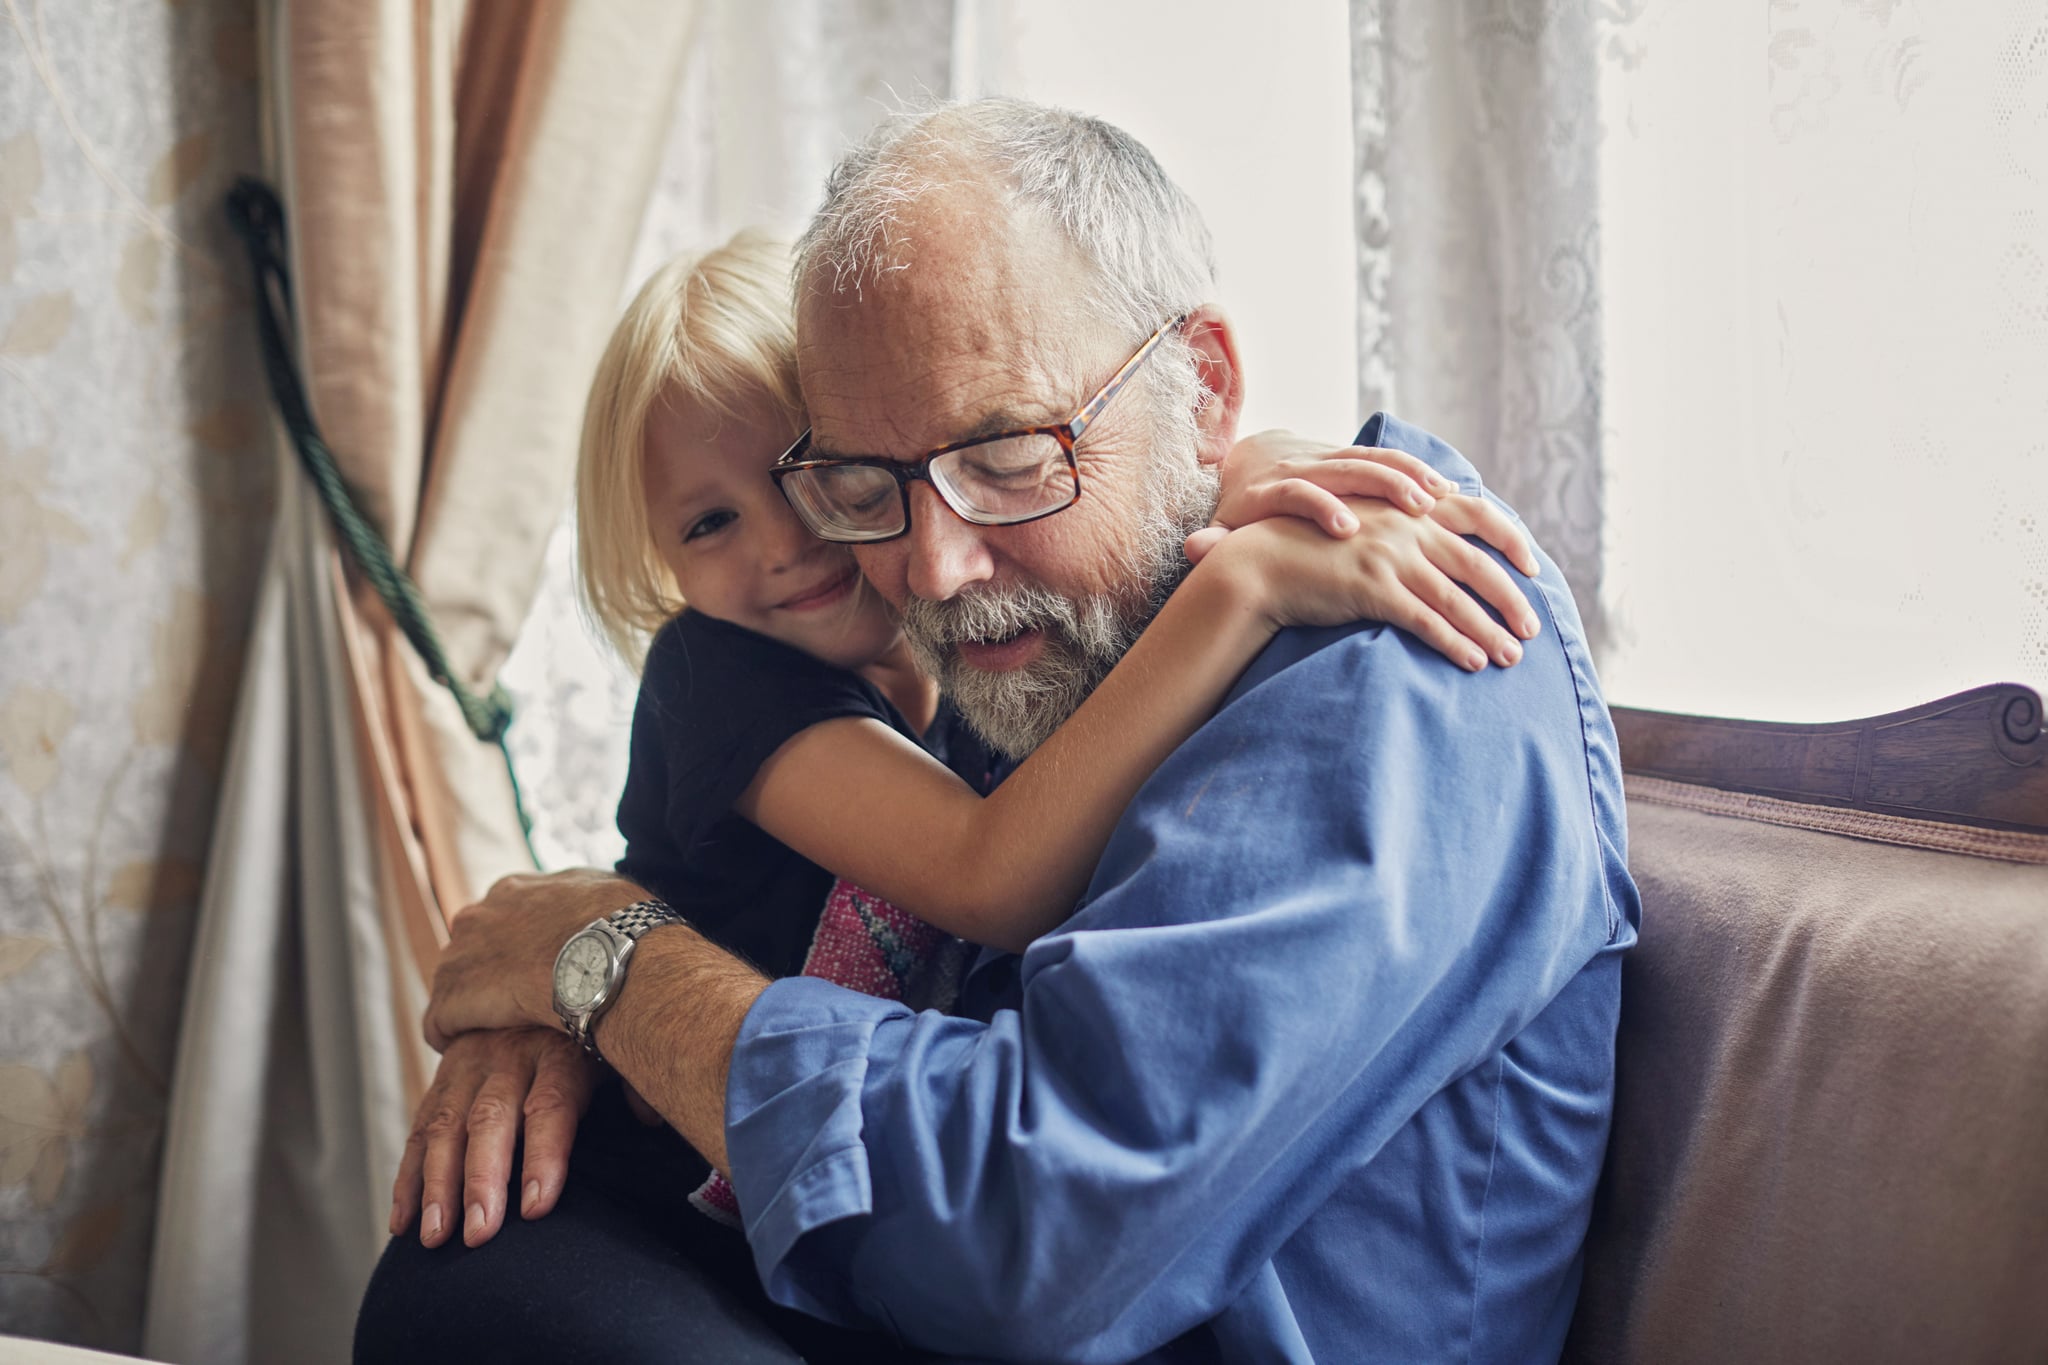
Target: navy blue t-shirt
[{"x": 716, "y": 700}]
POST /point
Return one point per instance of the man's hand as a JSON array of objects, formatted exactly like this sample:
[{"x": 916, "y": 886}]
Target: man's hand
[
  {"x": 489, "y": 1087},
  {"x": 497, "y": 970}
]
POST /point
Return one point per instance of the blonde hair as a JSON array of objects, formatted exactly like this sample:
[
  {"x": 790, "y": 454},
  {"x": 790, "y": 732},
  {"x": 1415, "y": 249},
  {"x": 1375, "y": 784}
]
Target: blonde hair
[{"x": 718, "y": 327}]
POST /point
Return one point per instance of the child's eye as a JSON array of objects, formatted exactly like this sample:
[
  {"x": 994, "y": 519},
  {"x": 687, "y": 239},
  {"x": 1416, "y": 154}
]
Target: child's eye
[{"x": 706, "y": 524}]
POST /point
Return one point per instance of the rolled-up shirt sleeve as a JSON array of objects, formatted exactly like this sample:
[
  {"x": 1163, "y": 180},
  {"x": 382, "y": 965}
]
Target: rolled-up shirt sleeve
[{"x": 1358, "y": 881}]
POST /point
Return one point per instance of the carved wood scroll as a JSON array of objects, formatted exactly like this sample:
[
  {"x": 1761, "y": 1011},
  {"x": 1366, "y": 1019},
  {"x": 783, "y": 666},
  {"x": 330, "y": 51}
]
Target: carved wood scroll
[{"x": 1976, "y": 758}]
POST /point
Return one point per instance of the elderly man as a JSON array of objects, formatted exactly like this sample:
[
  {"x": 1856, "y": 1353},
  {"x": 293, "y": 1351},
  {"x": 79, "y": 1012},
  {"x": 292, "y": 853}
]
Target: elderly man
[{"x": 1321, "y": 1067}]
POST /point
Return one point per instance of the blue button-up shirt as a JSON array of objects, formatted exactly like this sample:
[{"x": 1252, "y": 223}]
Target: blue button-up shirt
[{"x": 1320, "y": 1070}]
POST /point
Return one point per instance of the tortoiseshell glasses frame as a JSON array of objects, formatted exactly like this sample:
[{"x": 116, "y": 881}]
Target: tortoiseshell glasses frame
[{"x": 843, "y": 498}]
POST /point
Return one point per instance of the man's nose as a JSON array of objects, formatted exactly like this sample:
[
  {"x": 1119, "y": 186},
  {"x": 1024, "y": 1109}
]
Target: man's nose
[{"x": 946, "y": 553}]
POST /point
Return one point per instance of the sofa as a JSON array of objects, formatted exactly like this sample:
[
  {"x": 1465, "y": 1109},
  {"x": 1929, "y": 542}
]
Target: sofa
[
  {"x": 1831, "y": 1109},
  {"x": 1831, "y": 1106}
]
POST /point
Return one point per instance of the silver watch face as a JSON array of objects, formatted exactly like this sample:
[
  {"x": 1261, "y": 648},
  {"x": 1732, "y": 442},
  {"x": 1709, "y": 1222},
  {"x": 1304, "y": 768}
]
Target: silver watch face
[{"x": 582, "y": 971}]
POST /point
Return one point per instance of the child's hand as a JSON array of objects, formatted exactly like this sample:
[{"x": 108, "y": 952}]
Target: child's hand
[
  {"x": 1278, "y": 474},
  {"x": 1401, "y": 569}
]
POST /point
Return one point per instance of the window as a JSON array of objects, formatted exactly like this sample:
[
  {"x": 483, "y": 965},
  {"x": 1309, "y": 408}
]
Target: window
[{"x": 1825, "y": 240}]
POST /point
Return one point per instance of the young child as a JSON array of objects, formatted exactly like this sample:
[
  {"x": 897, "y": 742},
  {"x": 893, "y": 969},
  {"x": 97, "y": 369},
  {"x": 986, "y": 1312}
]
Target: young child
[{"x": 783, "y": 735}]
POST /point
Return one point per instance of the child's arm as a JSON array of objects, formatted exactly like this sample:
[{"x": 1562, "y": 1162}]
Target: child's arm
[{"x": 861, "y": 800}]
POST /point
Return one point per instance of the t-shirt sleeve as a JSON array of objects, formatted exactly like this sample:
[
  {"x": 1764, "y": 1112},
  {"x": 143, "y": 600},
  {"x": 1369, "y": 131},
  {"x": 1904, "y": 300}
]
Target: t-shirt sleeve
[
  {"x": 715, "y": 701},
  {"x": 651, "y": 857}
]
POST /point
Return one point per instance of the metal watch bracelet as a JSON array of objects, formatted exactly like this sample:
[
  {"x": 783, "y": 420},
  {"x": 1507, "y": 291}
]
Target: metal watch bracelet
[
  {"x": 637, "y": 918},
  {"x": 626, "y": 927}
]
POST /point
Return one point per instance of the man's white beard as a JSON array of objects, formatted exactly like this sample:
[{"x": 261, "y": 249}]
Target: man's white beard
[{"x": 1018, "y": 710}]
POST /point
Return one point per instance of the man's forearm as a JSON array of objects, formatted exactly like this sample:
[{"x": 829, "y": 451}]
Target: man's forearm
[{"x": 673, "y": 1030}]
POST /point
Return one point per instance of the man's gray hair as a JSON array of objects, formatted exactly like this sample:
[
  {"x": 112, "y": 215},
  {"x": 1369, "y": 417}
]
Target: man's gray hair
[
  {"x": 1096, "y": 183},
  {"x": 1149, "y": 258}
]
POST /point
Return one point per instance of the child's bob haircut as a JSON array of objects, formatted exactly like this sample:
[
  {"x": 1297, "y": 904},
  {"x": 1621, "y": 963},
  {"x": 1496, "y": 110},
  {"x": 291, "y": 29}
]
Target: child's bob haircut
[{"x": 717, "y": 329}]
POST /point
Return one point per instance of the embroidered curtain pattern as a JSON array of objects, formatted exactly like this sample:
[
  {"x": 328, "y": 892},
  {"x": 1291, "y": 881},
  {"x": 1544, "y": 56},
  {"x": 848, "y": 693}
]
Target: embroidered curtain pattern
[
  {"x": 135, "y": 502},
  {"x": 1726, "y": 299}
]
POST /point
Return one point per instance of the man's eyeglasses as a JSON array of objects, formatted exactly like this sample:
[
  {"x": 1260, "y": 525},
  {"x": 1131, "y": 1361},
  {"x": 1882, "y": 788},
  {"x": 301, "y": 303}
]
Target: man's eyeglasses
[{"x": 1001, "y": 480}]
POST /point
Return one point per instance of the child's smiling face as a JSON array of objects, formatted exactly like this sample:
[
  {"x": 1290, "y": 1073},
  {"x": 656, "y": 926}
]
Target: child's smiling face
[{"x": 737, "y": 550}]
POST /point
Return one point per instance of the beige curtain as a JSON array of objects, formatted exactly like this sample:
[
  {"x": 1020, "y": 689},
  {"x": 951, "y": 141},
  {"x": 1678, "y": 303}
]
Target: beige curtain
[{"x": 464, "y": 183}]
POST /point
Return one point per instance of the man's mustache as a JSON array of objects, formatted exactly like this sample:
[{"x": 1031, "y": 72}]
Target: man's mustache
[{"x": 987, "y": 613}]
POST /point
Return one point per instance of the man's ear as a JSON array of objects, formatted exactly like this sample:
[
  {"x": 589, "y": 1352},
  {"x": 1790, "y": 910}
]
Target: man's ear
[{"x": 1214, "y": 341}]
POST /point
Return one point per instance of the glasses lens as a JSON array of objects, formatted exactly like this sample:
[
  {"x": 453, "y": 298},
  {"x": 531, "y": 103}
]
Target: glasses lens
[
  {"x": 1012, "y": 479},
  {"x": 846, "y": 503}
]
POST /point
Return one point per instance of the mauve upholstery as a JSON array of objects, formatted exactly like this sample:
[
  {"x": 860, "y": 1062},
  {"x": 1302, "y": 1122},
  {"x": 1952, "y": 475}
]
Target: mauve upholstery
[{"x": 1831, "y": 1118}]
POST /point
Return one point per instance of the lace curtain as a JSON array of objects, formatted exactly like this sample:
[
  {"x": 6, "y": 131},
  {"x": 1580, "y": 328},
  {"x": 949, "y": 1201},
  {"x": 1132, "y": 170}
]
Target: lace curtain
[
  {"x": 1745, "y": 306},
  {"x": 1479, "y": 267}
]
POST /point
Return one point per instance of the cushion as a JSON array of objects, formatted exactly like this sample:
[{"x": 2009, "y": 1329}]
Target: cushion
[{"x": 1831, "y": 1107}]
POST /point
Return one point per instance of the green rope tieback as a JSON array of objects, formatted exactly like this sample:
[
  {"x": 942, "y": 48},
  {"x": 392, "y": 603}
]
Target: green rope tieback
[{"x": 258, "y": 219}]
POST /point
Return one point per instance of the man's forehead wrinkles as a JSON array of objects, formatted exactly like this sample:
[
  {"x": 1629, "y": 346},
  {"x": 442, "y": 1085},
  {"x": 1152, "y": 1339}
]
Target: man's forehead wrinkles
[
  {"x": 905, "y": 415},
  {"x": 978, "y": 337},
  {"x": 878, "y": 427}
]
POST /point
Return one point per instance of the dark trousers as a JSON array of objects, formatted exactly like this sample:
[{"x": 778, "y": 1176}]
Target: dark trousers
[{"x": 623, "y": 1270}]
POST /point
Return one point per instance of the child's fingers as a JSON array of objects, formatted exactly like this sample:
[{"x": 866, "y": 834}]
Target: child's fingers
[
  {"x": 1476, "y": 569},
  {"x": 1306, "y": 501},
  {"x": 1203, "y": 541},
  {"x": 1417, "y": 469},
  {"x": 1478, "y": 517},
  {"x": 1428, "y": 625},
  {"x": 1465, "y": 615},
  {"x": 1364, "y": 479}
]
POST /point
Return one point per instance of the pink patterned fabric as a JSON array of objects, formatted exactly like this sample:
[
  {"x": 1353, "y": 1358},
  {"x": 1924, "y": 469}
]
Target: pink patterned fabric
[{"x": 865, "y": 944}]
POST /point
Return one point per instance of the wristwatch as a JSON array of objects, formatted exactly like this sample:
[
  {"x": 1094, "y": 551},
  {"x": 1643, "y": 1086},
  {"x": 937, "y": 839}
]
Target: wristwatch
[{"x": 591, "y": 968}]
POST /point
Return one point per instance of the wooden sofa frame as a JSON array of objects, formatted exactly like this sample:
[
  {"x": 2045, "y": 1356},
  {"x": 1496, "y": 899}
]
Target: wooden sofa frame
[{"x": 1976, "y": 758}]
